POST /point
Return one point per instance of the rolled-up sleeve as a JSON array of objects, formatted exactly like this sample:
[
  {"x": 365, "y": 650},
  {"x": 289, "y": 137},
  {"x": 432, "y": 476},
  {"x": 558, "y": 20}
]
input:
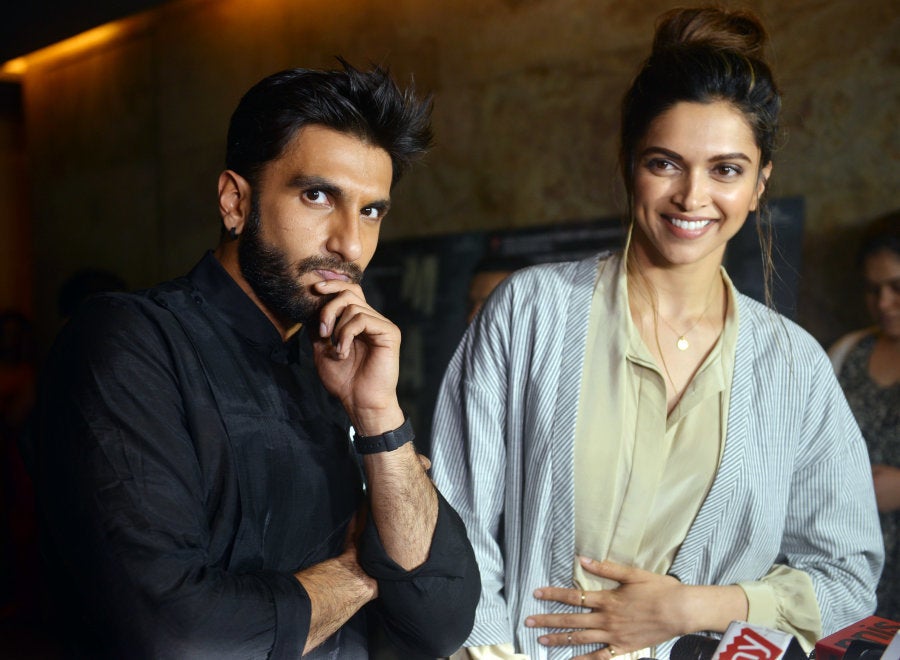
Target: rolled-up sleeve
[{"x": 431, "y": 609}]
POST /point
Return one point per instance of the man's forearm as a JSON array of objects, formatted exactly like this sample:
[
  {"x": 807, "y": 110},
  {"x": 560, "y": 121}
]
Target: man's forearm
[
  {"x": 337, "y": 589},
  {"x": 403, "y": 504}
]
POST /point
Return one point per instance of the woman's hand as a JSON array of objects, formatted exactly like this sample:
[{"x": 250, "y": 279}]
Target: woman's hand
[{"x": 644, "y": 610}]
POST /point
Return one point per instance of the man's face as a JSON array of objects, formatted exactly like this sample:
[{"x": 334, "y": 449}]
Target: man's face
[{"x": 316, "y": 213}]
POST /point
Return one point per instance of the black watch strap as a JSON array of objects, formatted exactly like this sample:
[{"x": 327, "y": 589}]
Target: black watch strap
[{"x": 373, "y": 444}]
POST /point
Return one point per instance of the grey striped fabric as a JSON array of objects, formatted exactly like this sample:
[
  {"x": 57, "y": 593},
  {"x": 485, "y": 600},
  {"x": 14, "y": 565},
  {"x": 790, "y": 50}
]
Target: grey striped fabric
[{"x": 794, "y": 485}]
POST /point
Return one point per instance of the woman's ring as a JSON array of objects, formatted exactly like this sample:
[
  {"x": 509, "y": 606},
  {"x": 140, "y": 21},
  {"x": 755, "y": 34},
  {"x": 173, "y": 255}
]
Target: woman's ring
[
  {"x": 569, "y": 638},
  {"x": 612, "y": 651},
  {"x": 582, "y": 597}
]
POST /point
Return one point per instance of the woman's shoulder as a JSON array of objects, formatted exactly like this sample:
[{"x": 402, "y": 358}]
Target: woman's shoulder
[
  {"x": 846, "y": 342},
  {"x": 771, "y": 330},
  {"x": 548, "y": 282},
  {"x": 840, "y": 349}
]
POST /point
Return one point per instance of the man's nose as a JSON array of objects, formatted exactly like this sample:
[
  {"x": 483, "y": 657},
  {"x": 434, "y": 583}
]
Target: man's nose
[{"x": 344, "y": 236}]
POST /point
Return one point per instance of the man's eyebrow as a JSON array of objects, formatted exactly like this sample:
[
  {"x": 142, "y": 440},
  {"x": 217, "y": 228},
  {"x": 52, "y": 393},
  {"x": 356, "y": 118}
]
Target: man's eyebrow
[
  {"x": 313, "y": 182},
  {"x": 380, "y": 205},
  {"x": 305, "y": 181}
]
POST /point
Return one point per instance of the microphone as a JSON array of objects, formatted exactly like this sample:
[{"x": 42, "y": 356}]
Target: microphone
[
  {"x": 693, "y": 647},
  {"x": 867, "y": 639},
  {"x": 746, "y": 641},
  {"x": 741, "y": 641}
]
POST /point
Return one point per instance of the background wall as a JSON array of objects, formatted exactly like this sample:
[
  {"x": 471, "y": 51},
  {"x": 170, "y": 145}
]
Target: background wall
[{"x": 125, "y": 141}]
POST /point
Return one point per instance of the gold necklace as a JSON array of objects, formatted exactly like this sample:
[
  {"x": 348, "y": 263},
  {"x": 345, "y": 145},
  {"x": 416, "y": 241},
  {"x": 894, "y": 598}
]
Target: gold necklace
[{"x": 682, "y": 344}]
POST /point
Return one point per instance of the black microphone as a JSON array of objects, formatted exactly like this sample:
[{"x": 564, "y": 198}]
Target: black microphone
[{"x": 694, "y": 647}]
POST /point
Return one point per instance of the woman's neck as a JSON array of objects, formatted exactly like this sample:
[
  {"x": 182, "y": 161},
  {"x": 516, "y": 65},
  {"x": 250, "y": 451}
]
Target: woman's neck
[{"x": 682, "y": 292}]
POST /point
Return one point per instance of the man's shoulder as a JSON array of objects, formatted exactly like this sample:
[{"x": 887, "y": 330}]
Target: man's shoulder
[{"x": 106, "y": 322}]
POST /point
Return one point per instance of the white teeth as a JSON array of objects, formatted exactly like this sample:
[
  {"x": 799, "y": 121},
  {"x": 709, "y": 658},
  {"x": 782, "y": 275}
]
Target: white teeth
[{"x": 689, "y": 225}]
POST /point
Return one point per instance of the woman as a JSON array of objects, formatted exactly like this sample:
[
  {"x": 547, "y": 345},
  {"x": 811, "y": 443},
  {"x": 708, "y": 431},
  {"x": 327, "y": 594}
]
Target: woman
[
  {"x": 868, "y": 366},
  {"x": 638, "y": 410}
]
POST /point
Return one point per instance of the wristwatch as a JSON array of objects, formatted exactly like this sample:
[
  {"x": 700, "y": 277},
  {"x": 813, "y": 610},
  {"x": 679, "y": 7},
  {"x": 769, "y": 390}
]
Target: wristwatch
[{"x": 373, "y": 444}]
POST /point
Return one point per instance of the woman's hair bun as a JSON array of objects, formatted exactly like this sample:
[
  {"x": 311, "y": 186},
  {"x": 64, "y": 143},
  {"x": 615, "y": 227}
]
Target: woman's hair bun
[{"x": 715, "y": 27}]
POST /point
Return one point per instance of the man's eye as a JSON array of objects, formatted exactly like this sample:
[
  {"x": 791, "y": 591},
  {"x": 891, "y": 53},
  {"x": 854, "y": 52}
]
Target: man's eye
[
  {"x": 315, "y": 196},
  {"x": 371, "y": 212}
]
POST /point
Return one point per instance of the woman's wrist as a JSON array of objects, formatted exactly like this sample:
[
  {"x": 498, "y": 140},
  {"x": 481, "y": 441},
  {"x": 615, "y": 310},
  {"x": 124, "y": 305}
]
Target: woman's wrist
[{"x": 713, "y": 608}]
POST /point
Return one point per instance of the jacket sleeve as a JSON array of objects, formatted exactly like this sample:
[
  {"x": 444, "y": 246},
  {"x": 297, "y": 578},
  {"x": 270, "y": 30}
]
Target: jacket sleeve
[
  {"x": 428, "y": 610},
  {"x": 469, "y": 463},
  {"x": 832, "y": 530},
  {"x": 124, "y": 501}
]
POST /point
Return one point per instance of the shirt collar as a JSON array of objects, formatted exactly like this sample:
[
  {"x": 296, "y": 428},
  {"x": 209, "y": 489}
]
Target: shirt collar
[{"x": 218, "y": 289}]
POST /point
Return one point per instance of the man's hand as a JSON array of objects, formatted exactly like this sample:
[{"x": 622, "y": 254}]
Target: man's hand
[
  {"x": 887, "y": 487},
  {"x": 337, "y": 588},
  {"x": 357, "y": 353},
  {"x": 357, "y": 356},
  {"x": 644, "y": 610}
]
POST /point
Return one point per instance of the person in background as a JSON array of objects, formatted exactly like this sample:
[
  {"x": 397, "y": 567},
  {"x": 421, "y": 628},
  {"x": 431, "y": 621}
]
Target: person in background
[
  {"x": 224, "y": 470},
  {"x": 488, "y": 273},
  {"x": 638, "y": 450},
  {"x": 867, "y": 363}
]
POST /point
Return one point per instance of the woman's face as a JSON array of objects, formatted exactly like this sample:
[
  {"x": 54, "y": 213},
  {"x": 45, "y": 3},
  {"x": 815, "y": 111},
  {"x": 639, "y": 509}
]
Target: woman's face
[
  {"x": 697, "y": 176},
  {"x": 881, "y": 271}
]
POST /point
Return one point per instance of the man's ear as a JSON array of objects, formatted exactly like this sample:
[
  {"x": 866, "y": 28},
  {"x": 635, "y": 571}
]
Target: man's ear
[
  {"x": 234, "y": 201},
  {"x": 761, "y": 185}
]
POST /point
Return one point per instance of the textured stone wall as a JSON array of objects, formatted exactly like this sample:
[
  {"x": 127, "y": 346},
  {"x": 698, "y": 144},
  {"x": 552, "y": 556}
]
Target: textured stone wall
[{"x": 125, "y": 141}]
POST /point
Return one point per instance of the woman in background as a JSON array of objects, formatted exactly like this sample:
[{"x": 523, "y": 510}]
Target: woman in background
[
  {"x": 638, "y": 450},
  {"x": 867, "y": 363}
]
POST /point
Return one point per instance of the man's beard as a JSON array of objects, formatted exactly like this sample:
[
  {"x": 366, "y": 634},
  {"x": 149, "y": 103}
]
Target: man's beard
[{"x": 276, "y": 283}]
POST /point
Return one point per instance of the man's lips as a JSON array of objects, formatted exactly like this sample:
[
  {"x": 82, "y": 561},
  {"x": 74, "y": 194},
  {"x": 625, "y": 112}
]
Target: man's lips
[{"x": 333, "y": 275}]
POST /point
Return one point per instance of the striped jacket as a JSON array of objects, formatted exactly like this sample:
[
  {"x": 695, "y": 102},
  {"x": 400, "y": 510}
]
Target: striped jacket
[{"x": 794, "y": 484}]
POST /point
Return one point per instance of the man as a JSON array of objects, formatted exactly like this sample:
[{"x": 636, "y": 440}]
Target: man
[{"x": 197, "y": 478}]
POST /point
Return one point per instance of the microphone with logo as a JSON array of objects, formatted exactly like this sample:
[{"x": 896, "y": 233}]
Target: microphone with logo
[
  {"x": 741, "y": 641},
  {"x": 873, "y": 638}
]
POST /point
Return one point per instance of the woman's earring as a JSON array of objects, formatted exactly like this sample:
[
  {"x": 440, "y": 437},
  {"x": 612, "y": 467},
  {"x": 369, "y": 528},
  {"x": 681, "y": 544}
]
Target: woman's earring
[{"x": 233, "y": 233}]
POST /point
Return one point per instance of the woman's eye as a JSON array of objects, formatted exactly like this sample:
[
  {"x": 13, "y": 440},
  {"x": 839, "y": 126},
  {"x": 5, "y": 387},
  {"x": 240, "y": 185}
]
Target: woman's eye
[
  {"x": 729, "y": 170},
  {"x": 660, "y": 165}
]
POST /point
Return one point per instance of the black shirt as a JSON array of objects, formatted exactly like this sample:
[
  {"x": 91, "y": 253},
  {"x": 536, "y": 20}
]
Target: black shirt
[{"x": 191, "y": 462}]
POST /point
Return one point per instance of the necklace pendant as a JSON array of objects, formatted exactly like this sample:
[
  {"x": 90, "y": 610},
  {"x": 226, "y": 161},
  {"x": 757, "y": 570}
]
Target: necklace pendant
[{"x": 682, "y": 344}]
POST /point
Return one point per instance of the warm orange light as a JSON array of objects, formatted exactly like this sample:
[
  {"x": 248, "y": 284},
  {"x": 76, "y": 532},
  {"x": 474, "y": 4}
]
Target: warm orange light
[
  {"x": 94, "y": 38},
  {"x": 14, "y": 69}
]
